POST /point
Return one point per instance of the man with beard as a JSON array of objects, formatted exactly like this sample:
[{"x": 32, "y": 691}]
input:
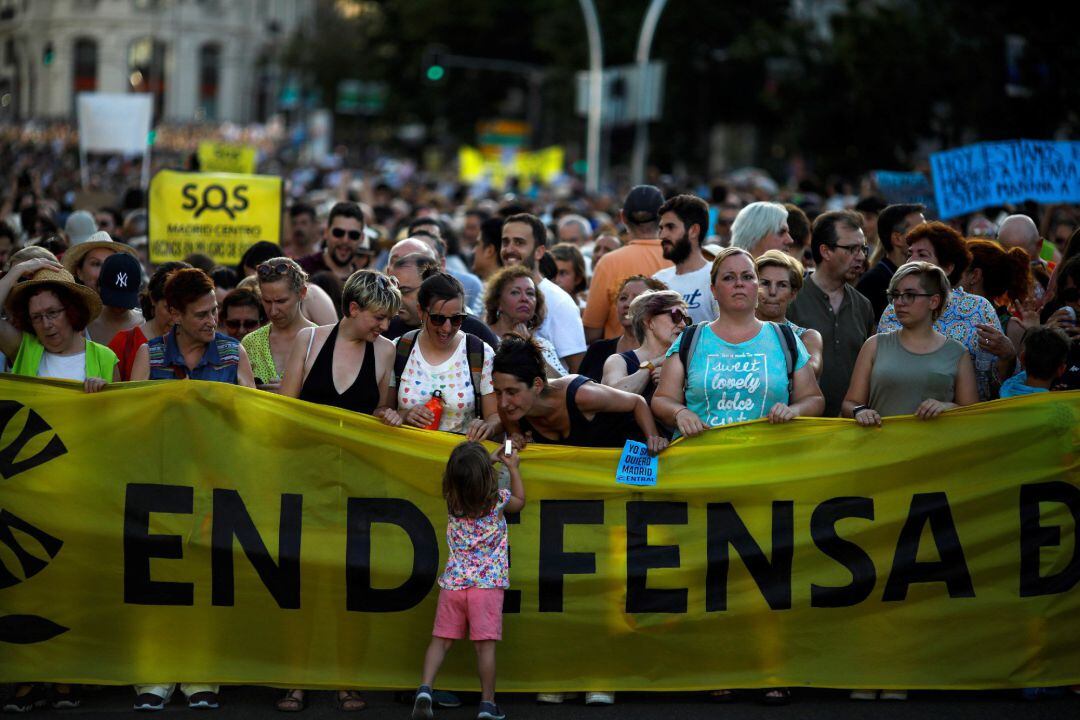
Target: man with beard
[
  {"x": 828, "y": 303},
  {"x": 303, "y": 231},
  {"x": 347, "y": 249},
  {"x": 683, "y": 223},
  {"x": 524, "y": 241}
]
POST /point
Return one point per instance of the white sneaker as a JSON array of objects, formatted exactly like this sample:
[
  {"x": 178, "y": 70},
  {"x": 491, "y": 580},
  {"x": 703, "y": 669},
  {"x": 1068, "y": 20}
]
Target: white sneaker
[
  {"x": 550, "y": 698},
  {"x": 864, "y": 695},
  {"x": 599, "y": 698},
  {"x": 893, "y": 695}
]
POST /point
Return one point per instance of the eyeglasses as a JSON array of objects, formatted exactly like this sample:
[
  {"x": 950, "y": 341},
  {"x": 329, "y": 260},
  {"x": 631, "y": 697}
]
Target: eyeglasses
[
  {"x": 678, "y": 315},
  {"x": 50, "y": 315},
  {"x": 907, "y": 297},
  {"x": 248, "y": 325},
  {"x": 865, "y": 249},
  {"x": 440, "y": 320},
  {"x": 342, "y": 232},
  {"x": 266, "y": 269}
]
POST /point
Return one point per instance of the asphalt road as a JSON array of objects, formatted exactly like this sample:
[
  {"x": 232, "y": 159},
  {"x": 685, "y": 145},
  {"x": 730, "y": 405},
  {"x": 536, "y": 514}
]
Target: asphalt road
[{"x": 247, "y": 703}]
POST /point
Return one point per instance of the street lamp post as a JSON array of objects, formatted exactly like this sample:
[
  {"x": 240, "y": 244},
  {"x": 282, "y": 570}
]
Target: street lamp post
[
  {"x": 641, "y": 135},
  {"x": 596, "y": 91}
]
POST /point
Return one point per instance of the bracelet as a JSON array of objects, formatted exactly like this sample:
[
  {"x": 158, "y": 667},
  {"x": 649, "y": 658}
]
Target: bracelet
[{"x": 675, "y": 417}]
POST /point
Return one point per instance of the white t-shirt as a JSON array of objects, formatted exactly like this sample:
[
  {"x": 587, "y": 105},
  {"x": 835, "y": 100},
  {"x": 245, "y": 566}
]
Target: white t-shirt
[
  {"x": 420, "y": 379},
  {"x": 696, "y": 291},
  {"x": 63, "y": 367},
  {"x": 562, "y": 327}
]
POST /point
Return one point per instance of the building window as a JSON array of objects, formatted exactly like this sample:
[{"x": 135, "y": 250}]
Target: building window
[
  {"x": 209, "y": 81},
  {"x": 84, "y": 66},
  {"x": 146, "y": 65}
]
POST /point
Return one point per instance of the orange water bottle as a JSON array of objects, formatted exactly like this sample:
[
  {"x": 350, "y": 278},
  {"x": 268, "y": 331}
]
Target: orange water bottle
[{"x": 435, "y": 405}]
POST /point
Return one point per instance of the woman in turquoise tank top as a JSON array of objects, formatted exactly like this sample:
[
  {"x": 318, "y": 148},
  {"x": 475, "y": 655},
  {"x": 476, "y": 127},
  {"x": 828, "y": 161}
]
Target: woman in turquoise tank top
[{"x": 914, "y": 370}]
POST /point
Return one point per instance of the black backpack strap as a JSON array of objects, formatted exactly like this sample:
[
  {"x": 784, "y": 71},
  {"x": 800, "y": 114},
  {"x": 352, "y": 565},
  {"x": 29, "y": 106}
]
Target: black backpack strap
[
  {"x": 791, "y": 353},
  {"x": 687, "y": 346},
  {"x": 474, "y": 351},
  {"x": 401, "y": 359}
]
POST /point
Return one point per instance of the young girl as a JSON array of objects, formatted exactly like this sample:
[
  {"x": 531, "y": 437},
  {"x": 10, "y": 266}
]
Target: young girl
[{"x": 476, "y": 573}]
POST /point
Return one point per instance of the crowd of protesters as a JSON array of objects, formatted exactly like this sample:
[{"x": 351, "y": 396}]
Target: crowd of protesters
[{"x": 580, "y": 320}]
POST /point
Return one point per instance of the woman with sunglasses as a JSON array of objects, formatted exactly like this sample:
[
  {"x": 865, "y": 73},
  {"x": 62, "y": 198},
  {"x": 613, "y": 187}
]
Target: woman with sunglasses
[
  {"x": 513, "y": 305},
  {"x": 657, "y": 319},
  {"x": 282, "y": 289},
  {"x": 915, "y": 370},
  {"x": 441, "y": 357}
]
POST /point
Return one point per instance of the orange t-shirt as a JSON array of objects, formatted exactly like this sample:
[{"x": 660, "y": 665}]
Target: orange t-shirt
[{"x": 639, "y": 257}]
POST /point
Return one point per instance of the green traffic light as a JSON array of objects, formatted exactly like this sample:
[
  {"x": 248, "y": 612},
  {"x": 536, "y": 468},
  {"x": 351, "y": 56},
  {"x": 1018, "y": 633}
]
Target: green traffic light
[{"x": 435, "y": 73}]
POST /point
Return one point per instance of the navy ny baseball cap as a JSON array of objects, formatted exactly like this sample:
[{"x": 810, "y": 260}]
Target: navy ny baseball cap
[{"x": 119, "y": 281}]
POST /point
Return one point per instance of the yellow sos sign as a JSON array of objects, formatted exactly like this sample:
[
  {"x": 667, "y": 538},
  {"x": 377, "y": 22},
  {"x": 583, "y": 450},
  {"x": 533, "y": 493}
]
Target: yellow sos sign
[{"x": 217, "y": 214}]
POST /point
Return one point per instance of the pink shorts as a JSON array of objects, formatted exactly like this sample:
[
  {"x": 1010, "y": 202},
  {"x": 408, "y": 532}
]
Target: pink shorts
[{"x": 478, "y": 609}]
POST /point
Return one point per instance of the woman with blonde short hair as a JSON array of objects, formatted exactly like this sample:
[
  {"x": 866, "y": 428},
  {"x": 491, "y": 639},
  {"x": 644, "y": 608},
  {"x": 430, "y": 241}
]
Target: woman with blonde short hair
[{"x": 915, "y": 370}]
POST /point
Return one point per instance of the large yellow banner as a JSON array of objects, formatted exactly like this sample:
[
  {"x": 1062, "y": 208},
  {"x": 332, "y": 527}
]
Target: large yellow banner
[
  {"x": 190, "y": 531},
  {"x": 216, "y": 214}
]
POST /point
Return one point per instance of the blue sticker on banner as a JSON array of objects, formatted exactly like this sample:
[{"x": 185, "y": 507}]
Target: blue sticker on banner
[{"x": 636, "y": 465}]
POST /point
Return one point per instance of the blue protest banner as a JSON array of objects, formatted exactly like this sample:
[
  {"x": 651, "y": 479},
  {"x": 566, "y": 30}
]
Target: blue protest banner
[
  {"x": 993, "y": 173},
  {"x": 906, "y": 187},
  {"x": 636, "y": 465}
]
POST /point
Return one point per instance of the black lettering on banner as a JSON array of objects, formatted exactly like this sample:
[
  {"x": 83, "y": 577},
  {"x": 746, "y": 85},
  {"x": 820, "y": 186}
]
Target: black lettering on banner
[
  {"x": 360, "y": 596},
  {"x": 231, "y": 519},
  {"x": 1034, "y": 536},
  {"x": 851, "y": 556},
  {"x": 190, "y": 200},
  {"x": 725, "y": 527},
  {"x": 140, "y": 546},
  {"x": 641, "y": 557},
  {"x": 554, "y": 563},
  {"x": 951, "y": 569},
  {"x": 35, "y": 425},
  {"x": 242, "y": 202},
  {"x": 511, "y": 597}
]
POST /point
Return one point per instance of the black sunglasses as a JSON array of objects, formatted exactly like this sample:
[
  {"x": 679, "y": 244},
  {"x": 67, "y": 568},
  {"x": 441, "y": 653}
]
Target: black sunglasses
[
  {"x": 266, "y": 269},
  {"x": 440, "y": 320},
  {"x": 341, "y": 232},
  {"x": 678, "y": 315}
]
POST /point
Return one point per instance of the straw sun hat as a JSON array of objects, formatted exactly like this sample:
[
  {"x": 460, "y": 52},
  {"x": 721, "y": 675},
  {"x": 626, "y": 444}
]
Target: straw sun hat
[
  {"x": 75, "y": 254},
  {"x": 48, "y": 276}
]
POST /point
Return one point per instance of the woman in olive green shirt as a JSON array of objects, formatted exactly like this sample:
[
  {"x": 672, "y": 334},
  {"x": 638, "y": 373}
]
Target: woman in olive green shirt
[{"x": 283, "y": 287}]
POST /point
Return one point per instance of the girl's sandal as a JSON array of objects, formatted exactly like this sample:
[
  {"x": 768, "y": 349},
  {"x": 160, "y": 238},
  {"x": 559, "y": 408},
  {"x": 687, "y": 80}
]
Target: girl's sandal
[
  {"x": 350, "y": 701},
  {"x": 291, "y": 701}
]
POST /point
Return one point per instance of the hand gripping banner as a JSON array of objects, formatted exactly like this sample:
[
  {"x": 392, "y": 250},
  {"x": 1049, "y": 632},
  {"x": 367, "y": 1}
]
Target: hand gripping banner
[{"x": 188, "y": 531}]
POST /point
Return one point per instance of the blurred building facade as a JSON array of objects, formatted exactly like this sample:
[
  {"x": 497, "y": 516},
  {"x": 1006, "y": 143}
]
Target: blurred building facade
[{"x": 203, "y": 60}]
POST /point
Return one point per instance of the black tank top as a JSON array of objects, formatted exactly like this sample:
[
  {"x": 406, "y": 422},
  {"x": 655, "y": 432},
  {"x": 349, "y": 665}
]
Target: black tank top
[
  {"x": 362, "y": 396},
  {"x": 606, "y": 429}
]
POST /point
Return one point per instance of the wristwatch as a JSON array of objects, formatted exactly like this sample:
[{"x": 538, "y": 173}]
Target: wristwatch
[
  {"x": 648, "y": 365},
  {"x": 858, "y": 409}
]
